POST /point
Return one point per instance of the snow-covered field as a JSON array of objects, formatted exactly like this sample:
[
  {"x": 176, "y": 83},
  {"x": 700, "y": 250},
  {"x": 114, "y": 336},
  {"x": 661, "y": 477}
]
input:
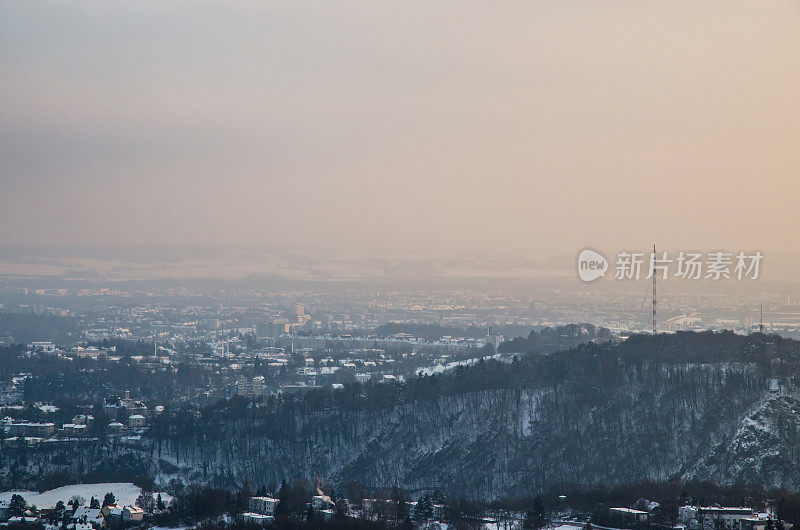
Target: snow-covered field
[{"x": 124, "y": 493}]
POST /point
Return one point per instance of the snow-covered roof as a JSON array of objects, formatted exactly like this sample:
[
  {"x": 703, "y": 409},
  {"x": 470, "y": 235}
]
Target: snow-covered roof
[
  {"x": 90, "y": 514},
  {"x": 628, "y": 510}
]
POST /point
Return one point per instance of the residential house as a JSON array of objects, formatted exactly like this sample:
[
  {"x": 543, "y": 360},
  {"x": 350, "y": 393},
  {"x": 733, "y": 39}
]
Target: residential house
[
  {"x": 24, "y": 519},
  {"x": 263, "y": 505},
  {"x": 136, "y": 421},
  {"x": 72, "y": 429},
  {"x": 257, "y": 518},
  {"x": 115, "y": 427},
  {"x": 629, "y": 515},
  {"x": 112, "y": 511},
  {"x": 687, "y": 513},
  {"x": 754, "y": 523},
  {"x": 321, "y": 501},
  {"x": 132, "y": 513},
  {"x": 93, "y": 516},
  {"x": 26, "y": 428},
  {"x": 723, "y": 518},
  {"x": 83, "y": 419}
]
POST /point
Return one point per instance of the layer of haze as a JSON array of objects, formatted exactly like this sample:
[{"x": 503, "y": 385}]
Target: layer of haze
[{"x": 431, "y": 127}]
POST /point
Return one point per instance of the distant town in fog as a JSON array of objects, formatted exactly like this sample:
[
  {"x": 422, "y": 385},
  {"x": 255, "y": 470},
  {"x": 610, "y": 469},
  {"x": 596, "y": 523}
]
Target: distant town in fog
[{"x": 198, "y": 293}]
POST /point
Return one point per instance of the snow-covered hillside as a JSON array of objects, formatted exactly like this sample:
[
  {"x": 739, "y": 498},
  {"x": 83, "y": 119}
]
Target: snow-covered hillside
[
  {"x": 596, "y": 422},
  {"x": 125, "y": 493}
]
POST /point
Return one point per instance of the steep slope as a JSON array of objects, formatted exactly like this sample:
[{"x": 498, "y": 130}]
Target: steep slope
[
  {"x": 655, "y": 421},
  {"x": 687, "y": 405},
  {"x": 763, "y": 449}
]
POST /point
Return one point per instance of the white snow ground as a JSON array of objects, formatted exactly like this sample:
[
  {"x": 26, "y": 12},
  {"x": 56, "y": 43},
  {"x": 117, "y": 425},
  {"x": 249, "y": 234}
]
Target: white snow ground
[{"x": 125, "y": 493}]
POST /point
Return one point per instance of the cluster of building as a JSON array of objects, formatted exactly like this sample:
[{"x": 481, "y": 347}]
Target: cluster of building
[
  {"x": 74, "y": 517},
  {"x": 262, "y": 509},
  {"x": 11, "y": 391},
  {"x": 128, "y": 417},
  {"x": 97, "y": 518},
  {"x": 727, "y": 518},
  {"x": 134, "y": 411},
  {"x": 160, "y": 358},
  {"x": 359, "y": 365},
  {"x": 31, "y": 432},
  {"x": 691, "y": 517}
]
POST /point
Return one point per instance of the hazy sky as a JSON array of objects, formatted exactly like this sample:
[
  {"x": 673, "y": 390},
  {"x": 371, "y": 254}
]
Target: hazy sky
[{"x": 432, "y": 126}]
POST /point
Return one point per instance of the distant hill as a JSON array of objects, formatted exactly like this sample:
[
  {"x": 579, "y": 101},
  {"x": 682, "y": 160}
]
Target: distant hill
[
  {"x": 560, "y": 338},
  {"x": 28, "y": 327}
]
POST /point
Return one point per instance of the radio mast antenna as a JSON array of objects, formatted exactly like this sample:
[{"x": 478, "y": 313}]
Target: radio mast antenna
[
  {"x": 653, "y": 273},
  {"x": 761, "y": 323}
]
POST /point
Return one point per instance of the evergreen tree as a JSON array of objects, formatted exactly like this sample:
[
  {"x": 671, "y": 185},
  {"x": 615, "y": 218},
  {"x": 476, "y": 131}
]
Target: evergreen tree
[
  {"x": 54, "y": 518},
  {"x": 437, "y": 497},
  {"x": 341, "y": 510},
  {"x": 536, "y": 517},
  {"x": 109, "y": 499},
  {"x": 402, "y": 509},
  {"x": 282, "y": 509},
  {"x": 424, "y": 508},
  {"x": 17, "y": 505}
]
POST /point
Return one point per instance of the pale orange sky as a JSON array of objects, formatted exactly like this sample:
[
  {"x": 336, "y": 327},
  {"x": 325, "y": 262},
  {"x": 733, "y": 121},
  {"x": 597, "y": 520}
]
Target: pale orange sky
[{"x": 437, "y": 127}]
